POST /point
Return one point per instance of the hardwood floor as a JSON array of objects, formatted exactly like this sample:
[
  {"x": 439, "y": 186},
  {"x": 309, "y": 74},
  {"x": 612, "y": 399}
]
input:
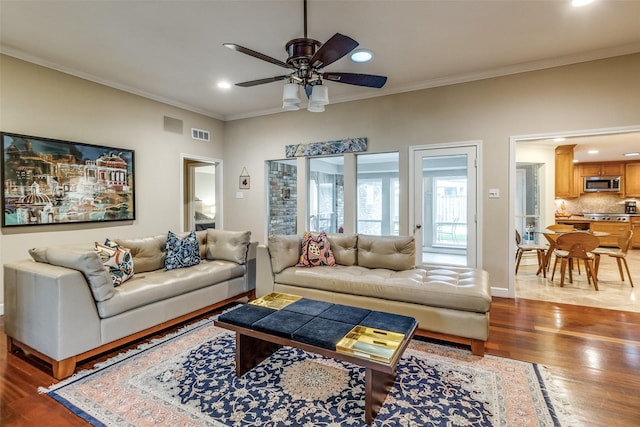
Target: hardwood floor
[{"x": 593, "y": 355}]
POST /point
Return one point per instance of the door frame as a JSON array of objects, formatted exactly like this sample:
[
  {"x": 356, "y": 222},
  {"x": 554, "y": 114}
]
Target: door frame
[
  {"x": 184, "y": 159},
  {"x": 476, "y": 144}
]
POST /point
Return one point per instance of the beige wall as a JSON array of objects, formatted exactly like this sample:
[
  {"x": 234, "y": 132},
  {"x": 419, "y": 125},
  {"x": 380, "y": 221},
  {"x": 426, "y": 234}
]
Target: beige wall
[
  {"x": 593, "y": 95},
  {"x": 41, "y": 102}
]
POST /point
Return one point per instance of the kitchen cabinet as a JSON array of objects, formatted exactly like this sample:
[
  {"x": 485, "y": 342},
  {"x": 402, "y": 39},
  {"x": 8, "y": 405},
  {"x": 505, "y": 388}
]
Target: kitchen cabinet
[
  {"x": 631, "y": 180},
  {"x": 602, "y": 169},
  {"x": 615, "y": 229},
  {"x": 565, "y": 186},
  {"x": 635, "y": 227}
]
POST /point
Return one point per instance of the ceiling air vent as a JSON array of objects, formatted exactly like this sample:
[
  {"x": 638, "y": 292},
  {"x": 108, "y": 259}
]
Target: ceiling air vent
[{"x": 200, "y": 135}]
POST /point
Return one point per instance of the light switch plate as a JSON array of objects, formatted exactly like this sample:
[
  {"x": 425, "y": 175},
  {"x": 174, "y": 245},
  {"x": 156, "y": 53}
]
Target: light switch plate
[
  {"x": 494, "y": 193},
  {"x": 239, "y": 195}
]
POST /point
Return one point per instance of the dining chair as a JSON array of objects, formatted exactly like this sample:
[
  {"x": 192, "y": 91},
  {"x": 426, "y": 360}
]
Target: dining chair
[
  {"x": 576, "y": 245},
  {"x": 620, "y": 254},
  {"x": 541, "y": 250}
]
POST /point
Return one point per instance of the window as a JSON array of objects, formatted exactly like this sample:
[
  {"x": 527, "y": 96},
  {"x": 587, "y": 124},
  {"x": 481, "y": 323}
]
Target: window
[
  {"x": 378, "y": 191},
  {"x": 326, "y": 194}
]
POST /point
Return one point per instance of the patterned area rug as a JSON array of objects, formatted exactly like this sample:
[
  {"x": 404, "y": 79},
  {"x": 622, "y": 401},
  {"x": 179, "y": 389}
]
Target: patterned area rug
[{"x": 188, "y": 379}]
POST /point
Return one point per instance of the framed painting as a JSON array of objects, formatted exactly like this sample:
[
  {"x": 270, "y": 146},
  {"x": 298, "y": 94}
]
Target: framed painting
[{"x": 49, "y": 181}]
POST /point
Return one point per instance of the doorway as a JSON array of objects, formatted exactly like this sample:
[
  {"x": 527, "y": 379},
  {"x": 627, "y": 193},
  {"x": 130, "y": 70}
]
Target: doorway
[
  {"x": 537, "y": 151},
  {"x": 201, "y": 193},
  {"x": 444, "y": 209}
]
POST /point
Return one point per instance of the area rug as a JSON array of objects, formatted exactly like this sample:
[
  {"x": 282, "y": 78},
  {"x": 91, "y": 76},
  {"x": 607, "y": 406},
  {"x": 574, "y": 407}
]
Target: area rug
[{"x": 188, "y": 379}]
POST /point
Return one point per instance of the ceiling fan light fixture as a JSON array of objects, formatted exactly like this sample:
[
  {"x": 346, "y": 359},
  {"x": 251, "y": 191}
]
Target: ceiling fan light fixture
[
  {"x": 319, "y": 95},
  {"x": 290, "y": 94},
  {"x": 315, "y": 108}
]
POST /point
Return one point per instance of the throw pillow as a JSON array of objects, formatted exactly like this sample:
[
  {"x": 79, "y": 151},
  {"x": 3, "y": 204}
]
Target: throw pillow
[
  {"x": 181, "y": 252},
  {"x": 316, "y": 251},
  {"x": 118, "y": 261}
]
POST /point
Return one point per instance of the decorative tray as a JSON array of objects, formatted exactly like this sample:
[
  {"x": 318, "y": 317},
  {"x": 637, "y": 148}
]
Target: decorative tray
[
  {"x": 370, "y": 343},
  {"x": 275, "y": 300}
]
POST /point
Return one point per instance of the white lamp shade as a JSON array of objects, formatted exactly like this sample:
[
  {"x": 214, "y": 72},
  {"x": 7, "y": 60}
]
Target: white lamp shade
[
  {"x": 319, "y": 95},
  {"x": 290, "y": 94},
  {"x": 315, "y": 108},
  {"x": 290, "y": 106}
]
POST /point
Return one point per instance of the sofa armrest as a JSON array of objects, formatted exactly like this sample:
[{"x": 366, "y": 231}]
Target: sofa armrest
[
  {"x": 264, "y": 282},
  {"x": 250, "y": 275},
  {"x": 50, "y": 309}
]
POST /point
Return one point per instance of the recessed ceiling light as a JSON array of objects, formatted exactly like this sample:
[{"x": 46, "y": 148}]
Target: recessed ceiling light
[
  {"x": 633, "y": 153},
  {"x": 224, "y": 85},
  {"x": 559, "y": 139},
  {"x": 592, "y": 152},
  {"x": 578, "y": 3},
  {"x": 362, "y": 55}
]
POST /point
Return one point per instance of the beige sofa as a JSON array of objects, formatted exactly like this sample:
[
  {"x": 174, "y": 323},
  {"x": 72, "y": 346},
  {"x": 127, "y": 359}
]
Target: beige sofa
[
  {"x": 379, "y": 273},
  {"x": 63, "y": 307}
]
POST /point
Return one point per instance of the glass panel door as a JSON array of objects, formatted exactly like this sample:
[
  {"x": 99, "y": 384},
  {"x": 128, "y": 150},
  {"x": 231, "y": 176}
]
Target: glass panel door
[{"x": 445, "y": 205}]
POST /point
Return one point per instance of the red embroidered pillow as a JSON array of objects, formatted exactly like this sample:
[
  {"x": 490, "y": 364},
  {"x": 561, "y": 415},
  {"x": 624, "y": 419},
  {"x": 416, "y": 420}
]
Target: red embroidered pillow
[{"x": 316, "y": 251}]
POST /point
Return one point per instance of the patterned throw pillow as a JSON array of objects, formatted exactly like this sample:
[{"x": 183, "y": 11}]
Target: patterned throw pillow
[
  {"x": 183, "y": 252},
  {"x": 117, "y": 260},
  {"x": 316, "y": 251}
]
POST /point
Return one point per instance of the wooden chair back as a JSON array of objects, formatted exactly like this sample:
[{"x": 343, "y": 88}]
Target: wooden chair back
[
  {"x": 578, "y": 244},
  {"x": 624, "y": 241}
]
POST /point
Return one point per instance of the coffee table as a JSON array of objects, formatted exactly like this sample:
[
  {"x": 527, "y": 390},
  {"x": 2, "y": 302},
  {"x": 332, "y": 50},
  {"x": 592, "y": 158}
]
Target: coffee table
[{"x": 260, "y": 331}]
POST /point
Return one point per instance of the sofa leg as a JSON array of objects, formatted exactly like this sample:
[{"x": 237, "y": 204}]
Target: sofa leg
[
  {"x": 477, "y": 347},
  {"x": 63, "y": 368},
  {"x": 252, "y": 295},
  {"x": 11, "y": 347}
]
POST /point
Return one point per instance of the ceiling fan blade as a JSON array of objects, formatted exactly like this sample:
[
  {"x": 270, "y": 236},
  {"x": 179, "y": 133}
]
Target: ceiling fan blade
[
  {"x": 334, "y": 48},
  {"x": 368, "y": 80},
  {"x": 262, "y": 81},
  {"x": 255, "y": 54}
]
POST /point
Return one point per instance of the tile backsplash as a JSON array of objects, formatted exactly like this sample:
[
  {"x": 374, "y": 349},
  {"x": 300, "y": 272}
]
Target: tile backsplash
[{"x": 595, "y": 203}]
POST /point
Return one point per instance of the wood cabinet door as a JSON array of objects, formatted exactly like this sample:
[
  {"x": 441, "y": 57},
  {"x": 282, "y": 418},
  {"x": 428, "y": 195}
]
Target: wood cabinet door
[
  {"x": 632, "y": 180},
  {"x": 590, "y": 169},
  {"x": 615, "y": 229},
  {"x": 611, "y": 169}
]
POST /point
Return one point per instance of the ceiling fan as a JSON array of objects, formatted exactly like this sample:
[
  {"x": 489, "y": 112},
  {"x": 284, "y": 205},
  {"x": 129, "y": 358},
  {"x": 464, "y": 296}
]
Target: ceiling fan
[{"x": 306, "y": 61}]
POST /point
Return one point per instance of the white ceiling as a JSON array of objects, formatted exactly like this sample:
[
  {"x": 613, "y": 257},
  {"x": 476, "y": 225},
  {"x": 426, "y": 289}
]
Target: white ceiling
[
  {"x": 608, "y": 147},
  {"x": 172, "y": 50}
]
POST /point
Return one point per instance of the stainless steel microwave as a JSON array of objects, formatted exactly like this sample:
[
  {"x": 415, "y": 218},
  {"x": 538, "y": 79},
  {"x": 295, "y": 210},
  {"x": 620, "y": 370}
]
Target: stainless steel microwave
[{"x": 594, "y": 184}]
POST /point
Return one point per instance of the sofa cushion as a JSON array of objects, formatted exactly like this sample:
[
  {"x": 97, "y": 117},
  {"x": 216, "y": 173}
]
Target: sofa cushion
[
  {"x": 316, "y": 250},
  {"x": 389, "y": 252},
  {"x": 118, "y": 261},
  {"x": 147, "y": 252},
  {"x": 181, "y": 252},
  {"x": 458, "y": 288},
  {"x": 228, "y": 245},
  {"x": 159, "y": 285},
  {"x": 85, "y": 261},
  {"x": 344, "y": 247},
  {"x": 284, "y": 251}
]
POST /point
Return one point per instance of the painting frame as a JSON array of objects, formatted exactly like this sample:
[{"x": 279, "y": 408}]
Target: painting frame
[{"x": 50, "y": 181}]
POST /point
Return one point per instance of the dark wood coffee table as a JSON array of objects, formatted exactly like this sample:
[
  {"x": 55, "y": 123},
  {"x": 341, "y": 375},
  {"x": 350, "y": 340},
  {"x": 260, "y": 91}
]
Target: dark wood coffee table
[{"x": 253, "y": 346}]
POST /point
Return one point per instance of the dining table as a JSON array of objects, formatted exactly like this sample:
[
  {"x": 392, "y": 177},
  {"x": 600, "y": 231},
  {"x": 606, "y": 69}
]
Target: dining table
[{"x": 552, "y": 236}]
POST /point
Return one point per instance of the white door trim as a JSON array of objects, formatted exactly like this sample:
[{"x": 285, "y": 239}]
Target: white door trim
[{"x": 219, "y": 186}]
